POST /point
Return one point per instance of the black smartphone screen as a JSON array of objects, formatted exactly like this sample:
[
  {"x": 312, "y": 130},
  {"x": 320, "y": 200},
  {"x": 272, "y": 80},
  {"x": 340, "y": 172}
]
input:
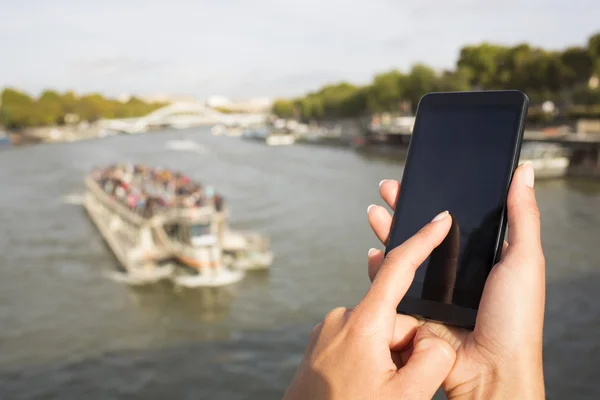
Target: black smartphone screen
[{"x": 461, "y": 159}]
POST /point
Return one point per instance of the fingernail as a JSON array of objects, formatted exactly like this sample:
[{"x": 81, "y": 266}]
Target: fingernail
[
  {"x": 528, "y": 174},
  {"x": 369, "y": 208},
  {"x": 372, "y": 251},
  {"x": 440, "y": 216},
  {"x": 381, "y": 183}
]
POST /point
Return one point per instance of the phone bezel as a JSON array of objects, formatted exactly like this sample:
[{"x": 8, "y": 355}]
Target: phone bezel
[{"x": 447, "y": 313}]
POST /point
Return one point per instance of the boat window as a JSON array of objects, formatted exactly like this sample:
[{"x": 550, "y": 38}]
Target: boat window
[
  {"x": 172, "y": 231},
  {"x": 201, "y": 235},
  {"x": 199, "y": 230}
]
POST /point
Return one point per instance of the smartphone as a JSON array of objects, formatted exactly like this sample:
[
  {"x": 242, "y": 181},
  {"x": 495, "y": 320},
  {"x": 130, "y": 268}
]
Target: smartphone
[{"x": 462, "y": 154}]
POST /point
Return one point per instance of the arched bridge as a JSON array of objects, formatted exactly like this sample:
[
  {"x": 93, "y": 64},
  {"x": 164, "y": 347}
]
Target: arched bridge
[{"x": 182, "y": 115}]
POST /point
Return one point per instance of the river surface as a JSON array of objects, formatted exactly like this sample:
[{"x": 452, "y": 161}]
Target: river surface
[{"x": 68, "y": 332}]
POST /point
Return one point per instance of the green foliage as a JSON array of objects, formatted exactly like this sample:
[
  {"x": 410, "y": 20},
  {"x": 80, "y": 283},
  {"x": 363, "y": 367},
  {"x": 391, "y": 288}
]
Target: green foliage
[
  {"x": 578, "y": 66},
  {"x": 421, "y": 80},
  {"x": 19, "y": 110},
  {"x": 584, "y": 95},
  {"x": 543, "y": 75},
  {"x": 386, "y": 91},
  {"x": 332, "y": 101},
  {"x": 283, "y": 108},
  {"x": 483, "y": 64},
  {"x": 585, "y": 111},
  {"x": 594, "y": 50}
]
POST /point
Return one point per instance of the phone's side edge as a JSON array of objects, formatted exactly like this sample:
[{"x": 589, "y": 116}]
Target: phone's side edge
[{"x": 515, "y": 160}]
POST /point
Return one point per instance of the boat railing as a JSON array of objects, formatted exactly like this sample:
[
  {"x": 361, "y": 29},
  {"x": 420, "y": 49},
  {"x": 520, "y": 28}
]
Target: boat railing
[
  {"x": 190, "y": 213},
  {"x": 112, "y": 204},
  {"x": 194, "y": 213}
]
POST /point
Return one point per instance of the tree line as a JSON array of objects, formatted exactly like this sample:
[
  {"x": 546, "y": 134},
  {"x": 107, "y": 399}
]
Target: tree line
[
  {"x": 564, "y": 77},
  {"x": 19, "y": 110}
]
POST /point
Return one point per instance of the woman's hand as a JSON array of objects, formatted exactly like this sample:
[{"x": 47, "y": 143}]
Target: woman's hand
[
  {"x": 370, "y": 352},
  {"x": 502, "y": 357}
]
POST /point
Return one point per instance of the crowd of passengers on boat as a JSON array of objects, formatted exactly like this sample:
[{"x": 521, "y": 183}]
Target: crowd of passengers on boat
[{"x": 147, "y": 191}]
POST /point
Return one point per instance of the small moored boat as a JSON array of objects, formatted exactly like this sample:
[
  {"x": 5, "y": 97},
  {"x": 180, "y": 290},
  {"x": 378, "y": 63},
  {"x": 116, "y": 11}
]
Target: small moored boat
[{"x": 548, "y": 160}]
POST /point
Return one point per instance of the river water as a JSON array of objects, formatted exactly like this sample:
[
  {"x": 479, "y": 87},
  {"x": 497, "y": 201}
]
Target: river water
[{"x": 67, "y": 332}]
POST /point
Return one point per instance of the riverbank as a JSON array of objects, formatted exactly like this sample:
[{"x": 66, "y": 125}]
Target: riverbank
[{"x": 53, "y": 134}]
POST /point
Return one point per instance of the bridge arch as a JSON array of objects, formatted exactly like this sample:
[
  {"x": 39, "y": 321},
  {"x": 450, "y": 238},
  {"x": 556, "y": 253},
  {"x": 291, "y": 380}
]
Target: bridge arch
[
  {"x": 187, "y": 108},
  {"x": 182, "y": 114}
]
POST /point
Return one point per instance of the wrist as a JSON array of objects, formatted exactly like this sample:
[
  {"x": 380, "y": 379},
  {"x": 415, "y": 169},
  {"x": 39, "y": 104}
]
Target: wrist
[{"x": 518, "y": 384}]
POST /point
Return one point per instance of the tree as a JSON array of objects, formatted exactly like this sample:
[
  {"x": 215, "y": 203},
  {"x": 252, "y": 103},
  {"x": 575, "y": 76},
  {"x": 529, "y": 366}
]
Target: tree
[
  {"x": 69, "y": 102},
  {"x": 283, "y": 108},
  {"x": 421, "y": 80},
  {"x": 586, "y": 95},
  {"x": 386, "y": 91},
  {"x": 338, "y": 99},
  {"x": 356, "y": 104},
  {"x": 311, "y": 107},
  {"x": 543, "y": 75},
  {"x": 578, "y": 64},
  {"x": 594, "y": 51},
  {"x": 16, "y": 109},
  {"x": 50, "y": 109},
  {"x": 453, "y": 81},
  {"x": 481, "y": 64}
]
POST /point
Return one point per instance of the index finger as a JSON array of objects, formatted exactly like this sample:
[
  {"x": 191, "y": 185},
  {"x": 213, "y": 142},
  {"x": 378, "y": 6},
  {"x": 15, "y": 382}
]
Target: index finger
[
  {"x": 398, "y": 270},
  {"x": 388, "y": 189}
]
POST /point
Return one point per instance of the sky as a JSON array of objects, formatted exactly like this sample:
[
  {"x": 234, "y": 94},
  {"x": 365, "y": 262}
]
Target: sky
[{"x": 256, "y": 48}]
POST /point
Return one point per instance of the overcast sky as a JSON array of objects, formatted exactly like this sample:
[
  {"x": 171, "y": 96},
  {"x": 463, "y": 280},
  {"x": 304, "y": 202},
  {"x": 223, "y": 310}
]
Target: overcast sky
[{"x": 244, "y": 48}]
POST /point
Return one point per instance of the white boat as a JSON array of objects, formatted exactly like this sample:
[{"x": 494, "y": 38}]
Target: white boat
[
  {"x": 190, "y": 244},
  {"x": 140, "y": 277},
  {"x": 221, "y": 278},
  {"x": 4, "y": 139},
  {"x": 123, "y": 233},
  {"x": 247, "y": 251},
  {"x": 257, "y": 133},
  {"x": 186, "y": 145},
  {"x": 218, "y": 130},
  {"x": 234, "y": 132},
  {"x": 269, "y": 136},
  {"x": 548, "y": 160},
  {"x": 280, "y": 139},
  {"x": 231, "y": 131}
]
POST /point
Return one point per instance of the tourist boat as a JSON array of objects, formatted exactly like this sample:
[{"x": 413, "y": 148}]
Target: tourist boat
[{"x": 191, "y": 245}]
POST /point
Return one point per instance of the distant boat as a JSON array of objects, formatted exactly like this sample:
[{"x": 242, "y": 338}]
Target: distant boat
[
  {"x": 256, "y": 133},
  {"x": 232, "y": 131},
  {"x": 283, "y": 139},
  {"x": 548, "y": 160},
  {"x": 4, "y": 139},
  {"x": 272, "y": 137},
  {"x": 218, "y": 130},
  {"x": 186, "y": 145}
]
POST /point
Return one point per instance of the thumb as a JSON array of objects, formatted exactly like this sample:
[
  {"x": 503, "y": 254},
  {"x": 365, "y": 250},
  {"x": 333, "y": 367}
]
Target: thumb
[
  {"x": 430, "y": 363},
  {"x": 523, "y": 212}
]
